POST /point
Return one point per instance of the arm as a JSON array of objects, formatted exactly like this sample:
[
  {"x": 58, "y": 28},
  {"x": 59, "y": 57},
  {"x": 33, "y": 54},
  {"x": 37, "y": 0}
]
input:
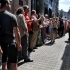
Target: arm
[
  {"x": 34, "y": 18},
  {"x": 18, "y": 39},
  {"x": 1, "y": 52},
  {"x": 16, "y": 32},
  {"x": 58, "y": 23},
  {"x": 0, "y": 47},
  {"x": 49, "y": 23}
]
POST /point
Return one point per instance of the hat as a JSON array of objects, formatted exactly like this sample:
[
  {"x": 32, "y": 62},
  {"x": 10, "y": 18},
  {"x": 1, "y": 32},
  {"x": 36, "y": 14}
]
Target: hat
[
  {"x": 25, "y": 7},
  {"x": 46, "y": 15}
]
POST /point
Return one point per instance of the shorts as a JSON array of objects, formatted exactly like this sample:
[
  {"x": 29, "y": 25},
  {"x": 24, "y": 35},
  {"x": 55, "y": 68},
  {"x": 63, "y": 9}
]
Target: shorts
[
  {"x": 10, "y": 52},
  {"x": 50, "y": 29},
  {"x": 47, "y": 29}
]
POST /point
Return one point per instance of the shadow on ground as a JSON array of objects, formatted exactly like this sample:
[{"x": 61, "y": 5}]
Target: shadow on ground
[{"x": 66, "y": 57}]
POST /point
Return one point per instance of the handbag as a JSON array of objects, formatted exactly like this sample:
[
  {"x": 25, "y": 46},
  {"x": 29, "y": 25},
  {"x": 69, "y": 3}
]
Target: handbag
[
  {"x": 54, "y": 29},
  {"x": 31, "y": 32}
]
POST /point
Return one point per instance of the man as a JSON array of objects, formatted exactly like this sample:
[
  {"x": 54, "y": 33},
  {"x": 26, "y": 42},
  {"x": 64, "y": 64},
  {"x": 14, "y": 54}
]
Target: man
[
  {"x": 35, "y": 29},
  {"x": 29, "y": 25},
  {"x": 61, "y": 27},
  {"x": 47, "y": 24},
  {"x": 24, "y": 35},
  {"x": 68, "y": 29},
  {"x": 8, "y": 32}
]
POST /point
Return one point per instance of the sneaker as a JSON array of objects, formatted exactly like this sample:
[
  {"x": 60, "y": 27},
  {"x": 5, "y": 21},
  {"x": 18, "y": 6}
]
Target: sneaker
[
  {"x": 31, "y": 50},
  {"x": 28, "y": 60},
  {"x": 45, "y": 40}
]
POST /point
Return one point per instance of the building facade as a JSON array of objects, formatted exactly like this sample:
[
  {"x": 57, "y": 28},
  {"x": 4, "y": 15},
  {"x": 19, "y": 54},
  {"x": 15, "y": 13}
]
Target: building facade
[
  {"x": 46, "y": 6},
  {"x": 49, "y": 7},
  {"x": 38, "y": 5},
  {"x": 55, "y": 7},
  {"x": 18, "y": 3}
]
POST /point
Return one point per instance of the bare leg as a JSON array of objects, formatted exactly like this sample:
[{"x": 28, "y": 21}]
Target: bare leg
[
  {"x": 13, "y": 66},
  {"x": 4, "y": 66}
]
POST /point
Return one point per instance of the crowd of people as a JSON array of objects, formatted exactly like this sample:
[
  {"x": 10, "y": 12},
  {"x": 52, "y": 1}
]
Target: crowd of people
[{"x": 20, "y": 33}]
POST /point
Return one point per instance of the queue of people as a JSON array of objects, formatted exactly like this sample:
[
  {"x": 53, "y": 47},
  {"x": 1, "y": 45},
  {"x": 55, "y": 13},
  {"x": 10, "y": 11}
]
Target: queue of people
[{"x": 19, "y": 33}]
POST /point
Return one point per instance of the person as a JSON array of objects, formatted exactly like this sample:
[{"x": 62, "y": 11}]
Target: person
[
  {"x": 68, "y": 29},
  {"x": 9, "y": 36},
  {"x": 43, "y": 29},
  {"x": 35, "y": 29},
  {"x": 29, "y": 25},
  {"x": 61, "y": 27},
  {"x": 50, "y": 28},
  {"x": 24, "y": 35},
  {"x": 47, "y": 24},
  {"x": 65, "y": 22},
  {"x": 54, "y": 29},
  {"x": 39, "y": 38}
]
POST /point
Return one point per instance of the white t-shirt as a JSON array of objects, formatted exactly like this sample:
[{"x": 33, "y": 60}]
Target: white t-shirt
[
  {"x": 34, "y": 18},
  {"x": 50, "y": 24},
  {"x": 46, "y": 21}
]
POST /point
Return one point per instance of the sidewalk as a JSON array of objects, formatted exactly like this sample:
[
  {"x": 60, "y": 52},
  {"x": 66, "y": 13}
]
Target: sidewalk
[{"x": 50, "y": 57}]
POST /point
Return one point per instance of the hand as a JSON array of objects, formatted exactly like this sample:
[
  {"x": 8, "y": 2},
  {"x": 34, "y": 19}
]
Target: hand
[
  {"x": 19, "y": 47},
  {"x": 32, "y": 20},
  {"x": 27, "y": 34}
]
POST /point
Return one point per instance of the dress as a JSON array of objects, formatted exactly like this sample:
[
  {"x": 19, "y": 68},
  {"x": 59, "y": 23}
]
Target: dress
[{"x": 43, "y": 32}]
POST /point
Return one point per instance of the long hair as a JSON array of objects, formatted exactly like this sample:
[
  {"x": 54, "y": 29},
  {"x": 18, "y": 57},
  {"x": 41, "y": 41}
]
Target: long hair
[{"x": 19, "y": 10}]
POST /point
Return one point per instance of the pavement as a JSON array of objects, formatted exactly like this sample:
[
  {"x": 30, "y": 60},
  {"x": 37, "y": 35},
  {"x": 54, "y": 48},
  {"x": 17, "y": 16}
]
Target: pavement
[{"x": 50, "y": 56}]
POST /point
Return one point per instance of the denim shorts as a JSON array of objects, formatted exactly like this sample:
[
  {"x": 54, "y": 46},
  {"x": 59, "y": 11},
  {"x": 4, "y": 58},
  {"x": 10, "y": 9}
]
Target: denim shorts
[{"x": 9, "y": 52}]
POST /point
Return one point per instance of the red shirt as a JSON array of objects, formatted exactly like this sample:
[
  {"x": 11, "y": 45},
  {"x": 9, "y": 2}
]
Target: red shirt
[
  {"x": 29, "y": 23},
  {"x": 69, "y": 22}
]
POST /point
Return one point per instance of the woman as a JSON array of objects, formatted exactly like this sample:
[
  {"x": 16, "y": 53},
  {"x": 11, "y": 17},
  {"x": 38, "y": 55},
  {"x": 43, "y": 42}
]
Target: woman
[
  {"x": 47, "y": 23},
  {"x": 54, "y": 29},
  {"x": 35, "y": 29},
  {"x": 43, "y": 30},
  {"x": 24, "y": 35}
]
